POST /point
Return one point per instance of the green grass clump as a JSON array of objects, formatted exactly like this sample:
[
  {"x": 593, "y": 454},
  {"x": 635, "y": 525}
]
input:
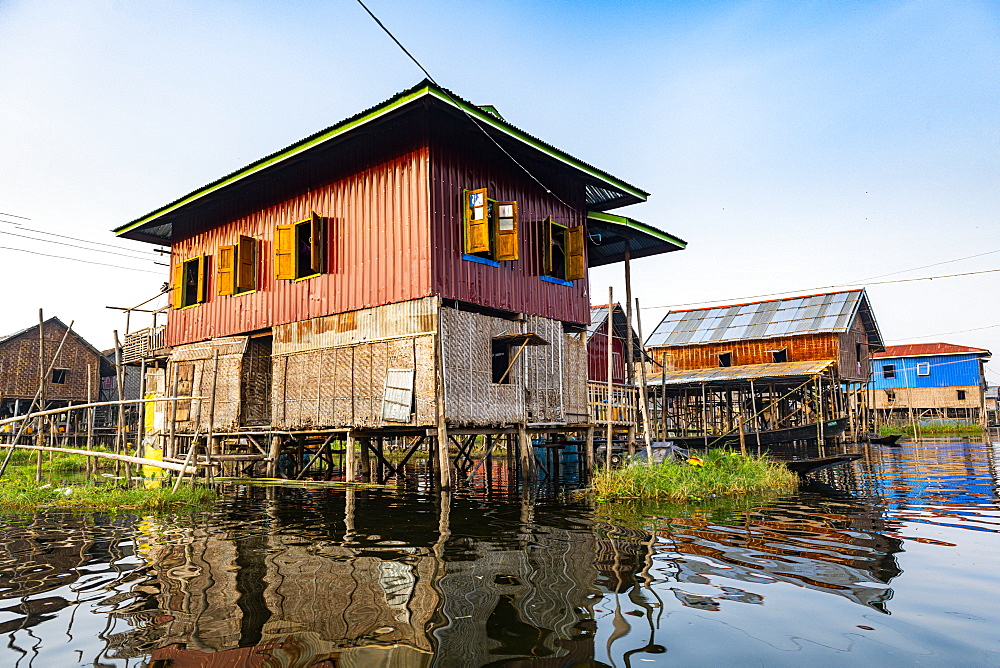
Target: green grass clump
[
  {"x": 22, "y": 493},
  {"x": 723, "y": 473},
  {"x": 943, "y": 429}
]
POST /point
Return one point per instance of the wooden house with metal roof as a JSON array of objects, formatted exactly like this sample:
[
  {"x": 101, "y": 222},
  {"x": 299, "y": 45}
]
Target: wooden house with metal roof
[
  {"x": 930, "y": 381},
  {"x": 417, "y": 268},
  {"x": 775, "y": 364}
]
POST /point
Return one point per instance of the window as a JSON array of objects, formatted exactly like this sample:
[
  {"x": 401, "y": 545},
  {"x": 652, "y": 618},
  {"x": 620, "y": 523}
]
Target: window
[
  {"x": 501, "y": 361},
  {"x": 888, "y": 370},
  {"x": 59, "y": 376},
  {"x": 725, "y": 359},
  {"x": 562, "y": 249},
  {"x": 237, "y": 267},
  {"x": 300, "y": 249},
  {"x": 923, "y": 368},
  {"x": 490, "y": 227},
  {"x": 779, "y": 355},
  {"x": 189, "y": 282},
  {"x": 890, "y": 396},
  {"x": 961, "y": 395}
]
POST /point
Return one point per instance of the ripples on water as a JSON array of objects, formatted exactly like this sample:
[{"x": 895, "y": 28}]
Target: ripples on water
[{"x": 892, "y": 561}]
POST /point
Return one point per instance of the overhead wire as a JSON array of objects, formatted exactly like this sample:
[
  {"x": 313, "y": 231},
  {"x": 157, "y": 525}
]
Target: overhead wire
[
  {"x": 75, "y": 259},
  {"x": 64, "y": 236},
  {"x": 461, "y": 107},
  {"x": 92, "y": 250}
]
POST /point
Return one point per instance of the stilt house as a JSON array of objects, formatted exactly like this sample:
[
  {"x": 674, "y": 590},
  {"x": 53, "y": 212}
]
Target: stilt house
[
  {"x": 421, "y": 264},
  {"x": 776, "y": 364},
  {"x": 930, "y": 381}
]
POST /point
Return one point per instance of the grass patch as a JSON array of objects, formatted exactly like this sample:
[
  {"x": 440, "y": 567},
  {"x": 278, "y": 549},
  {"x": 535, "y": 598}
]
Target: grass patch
[
  {"x": 19, "y": 491},
  {"x": 723, "y": 473},
  {"x": 944, "y": 429}
]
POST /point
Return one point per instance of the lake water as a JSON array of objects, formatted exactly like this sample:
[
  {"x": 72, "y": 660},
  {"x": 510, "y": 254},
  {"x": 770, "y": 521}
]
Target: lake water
[{"x": 893, "y": 560}]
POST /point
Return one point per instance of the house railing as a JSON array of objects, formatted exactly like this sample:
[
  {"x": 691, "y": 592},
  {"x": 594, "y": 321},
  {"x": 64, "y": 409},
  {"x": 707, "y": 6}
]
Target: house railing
[
  {"x": 141, "y": 343},
  {"x": 621, "y": 408}
]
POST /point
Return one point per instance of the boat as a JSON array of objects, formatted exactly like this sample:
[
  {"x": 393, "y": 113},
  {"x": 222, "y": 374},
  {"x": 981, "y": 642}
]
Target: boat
[
  {"x": 884, "y": 440},
  {"x": 803, "y": 467},
  {"x": 770, "y": 437}
]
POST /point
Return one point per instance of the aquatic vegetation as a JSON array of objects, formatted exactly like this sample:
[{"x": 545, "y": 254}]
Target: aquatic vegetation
[
  {"x": 717, "y": 473},
  {"x": 941, "y": 429}
]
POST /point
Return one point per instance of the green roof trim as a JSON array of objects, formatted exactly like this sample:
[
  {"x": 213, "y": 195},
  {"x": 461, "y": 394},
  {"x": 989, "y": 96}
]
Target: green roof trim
[
  {"x": 634, "y": 224},
  {"x": 401, "y": 99}
]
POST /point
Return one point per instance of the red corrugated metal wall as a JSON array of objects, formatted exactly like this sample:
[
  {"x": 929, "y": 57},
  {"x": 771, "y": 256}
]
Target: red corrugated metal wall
[
  {"x": 597, "y": 357},
  {"x": 378, "y": 253},
  {"x": 466, "y": 160}
]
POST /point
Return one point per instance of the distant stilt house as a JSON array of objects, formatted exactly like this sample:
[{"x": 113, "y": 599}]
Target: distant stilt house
[
  {"x": 930, "y": 381},
  {"x": 625, "y": 391},
  {"x": 770, "y": 365},
  {"x": 416, "y": 271},
  {"x": 72, "y": 373}
]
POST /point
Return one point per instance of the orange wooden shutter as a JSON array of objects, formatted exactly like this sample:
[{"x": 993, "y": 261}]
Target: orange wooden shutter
[
  {"x": 507, "y": 245},
  {"x": 284, "y": 252},
  {"x": 575, "y": 266},
  {"x": 202, "y": 279},
  {"x": 246, "y": 264},
  {"x": 224, "y": 274},
  {"x": 477, "y": 222},
  {"x": 177, "y": 289},
  {"x": 317, "y": 243}
]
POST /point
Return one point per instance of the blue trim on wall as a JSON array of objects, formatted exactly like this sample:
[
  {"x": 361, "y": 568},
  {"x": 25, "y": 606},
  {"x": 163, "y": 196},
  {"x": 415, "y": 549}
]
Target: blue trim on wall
[
  {"x": 557, "y": 281},
  {"x": 481, "y": 260}
]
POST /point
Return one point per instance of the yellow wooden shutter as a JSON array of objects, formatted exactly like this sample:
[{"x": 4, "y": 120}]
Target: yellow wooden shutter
[
  {"x": 507, "y": 245},
  {"x": 202, "y": 279},
  {"x": 317, "y": 243},
  {"x": 284, "y": 252},
  {"x": 246, "y": 264},
  {"x": 224, "y": 274},
  {"x": 177, "y": 289},
  {"x": 575, "y": 266},
  {"x": 547, "y": 268},
  {"x": 477, "y": 222}
]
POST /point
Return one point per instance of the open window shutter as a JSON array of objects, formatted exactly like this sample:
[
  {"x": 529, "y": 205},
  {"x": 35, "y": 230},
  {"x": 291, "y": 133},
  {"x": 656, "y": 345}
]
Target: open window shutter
[
  {"x": 224, "y": 274},
  {"x": 246, "y": 263},
  {"x": 177, "y": 289},
  {"x": 284, "y": 252},
  {"x": 506, "y": 231},
  {"x": 477, "y": 222},
  {"x": 547, "y": 246},
  {"x": 202, "y": 279},
  {"x": 575, "y": 267},
  {"x": 318, "y": 243}
]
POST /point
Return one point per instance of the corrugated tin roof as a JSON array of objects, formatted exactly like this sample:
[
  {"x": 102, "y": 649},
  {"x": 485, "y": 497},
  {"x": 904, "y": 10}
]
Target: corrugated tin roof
[
  {"x": 728, "y": 374},
  {"x": 598, "y": 318},
  {"x": 918, "y": 349},
  {"x": 809, "y": 314},
  {"x": 603, "y": 191},
  {"x": 609, "y": 234}
]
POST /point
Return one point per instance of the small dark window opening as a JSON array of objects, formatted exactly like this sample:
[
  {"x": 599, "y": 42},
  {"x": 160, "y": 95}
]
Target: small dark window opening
[
  {"x": 304, "y": 250},
  {"x": 192, "y": 282},
  {"x": 780, "y": 355},
  {"x": 557, "y": 248},
  {"x": 59, "y": 376},
  {"x": 859, "y": 351},
  {"x": 725, "y": 359},
  {"x": 961, "y": 395},
  {"x": 890, "y": 396},
  {"x": 888, "y": 370},
  {"x": 501, "y": 362}
]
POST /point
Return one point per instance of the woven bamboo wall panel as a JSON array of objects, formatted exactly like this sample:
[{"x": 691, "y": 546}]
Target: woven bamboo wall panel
[{"x": 227, "y": 383}]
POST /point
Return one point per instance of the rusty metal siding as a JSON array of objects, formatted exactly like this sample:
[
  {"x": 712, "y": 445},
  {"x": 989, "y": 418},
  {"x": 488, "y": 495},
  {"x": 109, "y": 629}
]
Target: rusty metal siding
[
  {"x": 378, "y": 253},
  {"x": 467, "y": 162}
]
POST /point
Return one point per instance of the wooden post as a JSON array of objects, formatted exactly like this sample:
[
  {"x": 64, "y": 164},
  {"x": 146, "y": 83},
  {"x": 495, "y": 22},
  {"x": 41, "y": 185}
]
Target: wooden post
[
  {"x": 40, "y": 437},
  {"x": 643, "y": 404},
  {"x": 211, "y": 442},
  {"x": 611, "y": 337},
  {"x": 349, "y": 468},
  {"x": 663, "y": 394},
  {"x": 588, "y": 450},
  {"x": 444, "y": 465},
  {"x": 172, "y": 441},
  {"x": 366, "y": 462},
  {"x": 526, "y": 452},
  {"x": 120, "y": 387},
  {"x": 272, "y": 456},
  {"x": 90, "y": 420},
  {"x": 629, "y": 361}
]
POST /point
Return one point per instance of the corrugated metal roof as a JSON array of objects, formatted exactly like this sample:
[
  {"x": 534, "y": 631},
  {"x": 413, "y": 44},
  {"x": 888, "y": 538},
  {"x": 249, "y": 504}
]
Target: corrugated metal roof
[
  {"x": 603, "y": 191},
  {"x": 598, "y": 320},
  {"x": 772, "y": 371},
  {"x": 918, "y": 349},
  {"x": 810, "y": 314},
  {"x": 608, "y": 235}
]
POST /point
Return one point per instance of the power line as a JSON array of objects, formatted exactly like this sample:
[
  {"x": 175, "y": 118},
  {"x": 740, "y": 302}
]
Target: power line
[
  {"x": 63, "y": 257},
  {"x": 63, "y": 236},
  {"x": 827, "y": 287},
  {"x": 960, "y": 331},
  {"x": 13, "y": 215},
  {"x": 92, "y": 250},
  {"x": 928, "y": 266},
  {"x": 475, "y": 121}
]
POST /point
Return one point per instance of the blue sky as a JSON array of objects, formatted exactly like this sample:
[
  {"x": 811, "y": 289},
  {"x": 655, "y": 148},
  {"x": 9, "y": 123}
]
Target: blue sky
[{"x": 795, "y": 145}]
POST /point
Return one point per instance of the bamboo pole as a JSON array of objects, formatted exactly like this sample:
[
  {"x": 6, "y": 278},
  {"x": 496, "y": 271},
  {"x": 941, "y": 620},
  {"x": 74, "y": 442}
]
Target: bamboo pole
[
  {"x": 96, "y": 404},
  {"x": 110, "y": 455},
  {"x": 90, "y": 419},
  {"x": 444, "y": 465},
  {"x": 610, "y": 348},
  {"x": 187, "y": 461},
  {"x": 643, "y": 406},
  {"x": 40, "y": 436}
]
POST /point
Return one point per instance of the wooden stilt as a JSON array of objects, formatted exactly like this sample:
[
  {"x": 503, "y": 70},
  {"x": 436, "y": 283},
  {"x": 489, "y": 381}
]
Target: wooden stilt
[{"x": 350, "y": 472}]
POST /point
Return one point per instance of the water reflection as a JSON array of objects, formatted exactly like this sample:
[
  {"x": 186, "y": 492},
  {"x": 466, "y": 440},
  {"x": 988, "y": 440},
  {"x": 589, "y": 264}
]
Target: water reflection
[{"x": 305, "y": 576}]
